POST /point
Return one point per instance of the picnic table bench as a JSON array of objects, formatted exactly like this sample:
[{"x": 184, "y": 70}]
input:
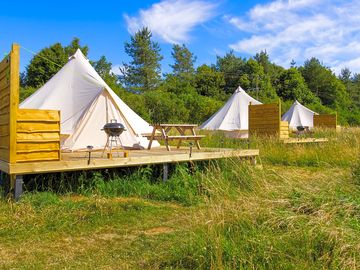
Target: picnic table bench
[{"x": 181, "y": 129}]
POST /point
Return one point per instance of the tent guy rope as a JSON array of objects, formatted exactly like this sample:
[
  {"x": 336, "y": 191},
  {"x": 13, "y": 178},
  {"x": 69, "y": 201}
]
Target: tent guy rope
[{"x": 38, "y": 54}]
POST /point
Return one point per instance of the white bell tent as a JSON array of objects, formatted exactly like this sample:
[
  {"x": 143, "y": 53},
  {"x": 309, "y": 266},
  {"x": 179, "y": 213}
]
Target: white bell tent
[
  {"x": 86, "y": 104},
  {"x": 233, "y": 117},
  {"x": 299, "y": 115}
]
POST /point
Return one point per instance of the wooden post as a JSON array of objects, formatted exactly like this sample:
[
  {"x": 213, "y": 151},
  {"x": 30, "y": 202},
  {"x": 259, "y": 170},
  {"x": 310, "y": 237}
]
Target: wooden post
[
  {"x": 14, "y": 99},
  {"x": 249, "y": 130},
  {"x": 253, "y": 160},
  {"x": 164, "y": 134},
  {"x": 279, "y": 128},
  {"x": 152, "y": 137},
  {"x": 196, "y": 141},
  {"x": 18, "y": 186},
  {"x": 165, "y": 172}
]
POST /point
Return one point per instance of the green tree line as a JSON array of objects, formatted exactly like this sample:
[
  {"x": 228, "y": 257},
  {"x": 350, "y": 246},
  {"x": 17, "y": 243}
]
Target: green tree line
[{"x": 193, "y": 94}]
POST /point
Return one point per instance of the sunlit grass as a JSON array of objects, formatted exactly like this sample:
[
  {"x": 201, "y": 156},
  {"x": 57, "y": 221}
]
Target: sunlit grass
[{"x": 299, "y": 210}]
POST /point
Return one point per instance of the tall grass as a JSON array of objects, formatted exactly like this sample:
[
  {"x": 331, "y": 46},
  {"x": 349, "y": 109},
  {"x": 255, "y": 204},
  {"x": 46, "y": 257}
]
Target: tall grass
[
  {"x": 278, "y": 222},
  {"x": 340, "y": 150},
  {"x": 301, "y": 210}
]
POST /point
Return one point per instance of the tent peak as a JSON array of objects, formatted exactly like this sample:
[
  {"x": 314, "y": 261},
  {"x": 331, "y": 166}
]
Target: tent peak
[
  {"x": 239, "y": 90},
  {"x": 78, "y": 54}
]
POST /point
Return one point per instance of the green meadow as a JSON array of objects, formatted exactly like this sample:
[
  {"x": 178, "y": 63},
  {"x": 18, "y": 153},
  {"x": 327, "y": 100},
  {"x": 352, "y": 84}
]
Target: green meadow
[{"x": 298, "y": 208}]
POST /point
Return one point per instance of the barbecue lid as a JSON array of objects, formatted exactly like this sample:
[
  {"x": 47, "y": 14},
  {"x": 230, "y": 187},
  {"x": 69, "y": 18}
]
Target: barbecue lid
[
  {"x": 114, "y": 125},
  {"x": 114, "y": 128}
]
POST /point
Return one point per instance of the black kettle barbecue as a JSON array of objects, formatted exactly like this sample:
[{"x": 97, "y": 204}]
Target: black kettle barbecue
[{"x": 114, "y": 129}]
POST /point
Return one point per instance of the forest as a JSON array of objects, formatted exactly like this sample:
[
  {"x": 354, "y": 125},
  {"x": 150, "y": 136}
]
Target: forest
[{"x": 192, "y": 92}]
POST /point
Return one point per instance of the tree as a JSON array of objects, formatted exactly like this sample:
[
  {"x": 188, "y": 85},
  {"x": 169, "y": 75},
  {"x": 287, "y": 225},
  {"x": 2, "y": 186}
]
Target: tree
[
  {"x": 345, "y": 75},
  {"x": 230, "y": 65},
  {"x": 324, "y": 84},
  {"x": 254, "y": 79},
  {"x": 272, "y": 70},
  {"x": 181, "y": 80},
  {"x": 49, "y": 61},
  {"x": 184, "y": 61},
  {"x": 292, "y": 86},
  {"x": 209, "y": 82},
  {"x": 166, "y": 107},
  {"x": 263, "y": 59},
  {"x": 103, "y": 68},
  {"x": 143, "y": 72},
  {"x": 355, "y": 93},
  {"x": 73, "y": 46}
]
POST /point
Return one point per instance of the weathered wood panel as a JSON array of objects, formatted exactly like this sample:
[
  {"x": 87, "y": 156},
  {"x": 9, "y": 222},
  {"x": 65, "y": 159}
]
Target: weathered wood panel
[
  {"x": 26, "y": 147},
  {"x": 38, "y": 135},
  {"x": 325, "y": 120},
  {"x": 31, "y": 127},
  {"x": 31, "y": 115},
  {"x": 37, "y": 156}
]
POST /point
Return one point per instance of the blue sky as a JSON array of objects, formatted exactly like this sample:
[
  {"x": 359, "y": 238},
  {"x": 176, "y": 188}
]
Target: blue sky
[{"x": 293, "y": 29}]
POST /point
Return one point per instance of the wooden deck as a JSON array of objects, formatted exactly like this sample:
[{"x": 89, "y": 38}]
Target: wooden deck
[
  {"x": 304, "y": 140},
  {"x": 78, "y": 161}
]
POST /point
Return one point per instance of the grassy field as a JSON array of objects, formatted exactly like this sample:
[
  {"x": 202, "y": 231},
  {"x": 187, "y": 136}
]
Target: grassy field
[{"x": 299, "y": 210}]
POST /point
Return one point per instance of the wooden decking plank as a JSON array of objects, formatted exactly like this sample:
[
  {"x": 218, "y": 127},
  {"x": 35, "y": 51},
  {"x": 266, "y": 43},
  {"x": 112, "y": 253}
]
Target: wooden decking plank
[{"x": 80, "y": 162}]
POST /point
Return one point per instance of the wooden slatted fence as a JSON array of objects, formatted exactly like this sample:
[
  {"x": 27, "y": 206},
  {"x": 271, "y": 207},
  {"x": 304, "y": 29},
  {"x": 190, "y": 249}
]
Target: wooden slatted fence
[
  {"x": 38, "y": 135},
  {"x": 25, "y": 134},
  {"x": 325, "y": 121},
  {"x": 9, "y": 102},
  {"x": 265, "y": 120}
]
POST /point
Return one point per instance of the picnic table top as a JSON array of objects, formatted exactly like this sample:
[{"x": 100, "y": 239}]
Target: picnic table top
[{"x": 174, "y": 125}]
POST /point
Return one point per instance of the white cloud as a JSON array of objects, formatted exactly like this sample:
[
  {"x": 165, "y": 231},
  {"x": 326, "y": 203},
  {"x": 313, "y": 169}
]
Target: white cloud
[
  {"x": 116, "y": 69},
  {"x": 353, "y": 65},
  {"x": 172, "y": 21},
  {"x": 300, "y": 29}
]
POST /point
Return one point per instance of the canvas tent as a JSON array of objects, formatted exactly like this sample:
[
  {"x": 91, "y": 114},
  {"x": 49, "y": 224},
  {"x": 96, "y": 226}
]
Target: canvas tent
[
  {"x": 299, "y": 115},
  {"x": 233, "y": 117},
  {"x": 86, "y": 103}
]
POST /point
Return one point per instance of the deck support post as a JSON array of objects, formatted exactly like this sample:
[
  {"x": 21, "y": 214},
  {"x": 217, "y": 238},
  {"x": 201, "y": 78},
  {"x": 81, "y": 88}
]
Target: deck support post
[
  {"x": 165, "y": 171},
  {"x": 253, "y": 160},
  {"x": 17, "y": 186}
]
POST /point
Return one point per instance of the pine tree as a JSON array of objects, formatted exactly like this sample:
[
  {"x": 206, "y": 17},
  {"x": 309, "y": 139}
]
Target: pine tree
[
  {"x": 184, "y": 61},
  {"x": 143, "y": 72},
  {"x": 103, "y": 68},
  {"x": 230, "y": 65}
]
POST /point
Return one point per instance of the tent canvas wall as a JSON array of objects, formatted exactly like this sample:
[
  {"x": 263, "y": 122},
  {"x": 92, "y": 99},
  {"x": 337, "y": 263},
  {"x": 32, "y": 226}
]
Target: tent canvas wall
[
  {"x": 299, "y": 115},
  {"x": 233, "y": 117},
  {"x": 86, "y": 103}
]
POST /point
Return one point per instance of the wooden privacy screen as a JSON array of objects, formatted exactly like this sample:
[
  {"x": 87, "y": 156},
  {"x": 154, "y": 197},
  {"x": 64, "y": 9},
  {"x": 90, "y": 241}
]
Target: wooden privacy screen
[
  {"x": 38, "y": 135},
  {"x": 325, "y": 120},
  {"x": 284, "y": 130},
  {"x": 9, "y": 103},
  {"x": 265, "y": 120},
  {"x": 25, "y": 135}
]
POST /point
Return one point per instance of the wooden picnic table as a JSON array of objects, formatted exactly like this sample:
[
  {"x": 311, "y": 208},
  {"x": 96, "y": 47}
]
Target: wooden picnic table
[{"x": 180, "y": 129}]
